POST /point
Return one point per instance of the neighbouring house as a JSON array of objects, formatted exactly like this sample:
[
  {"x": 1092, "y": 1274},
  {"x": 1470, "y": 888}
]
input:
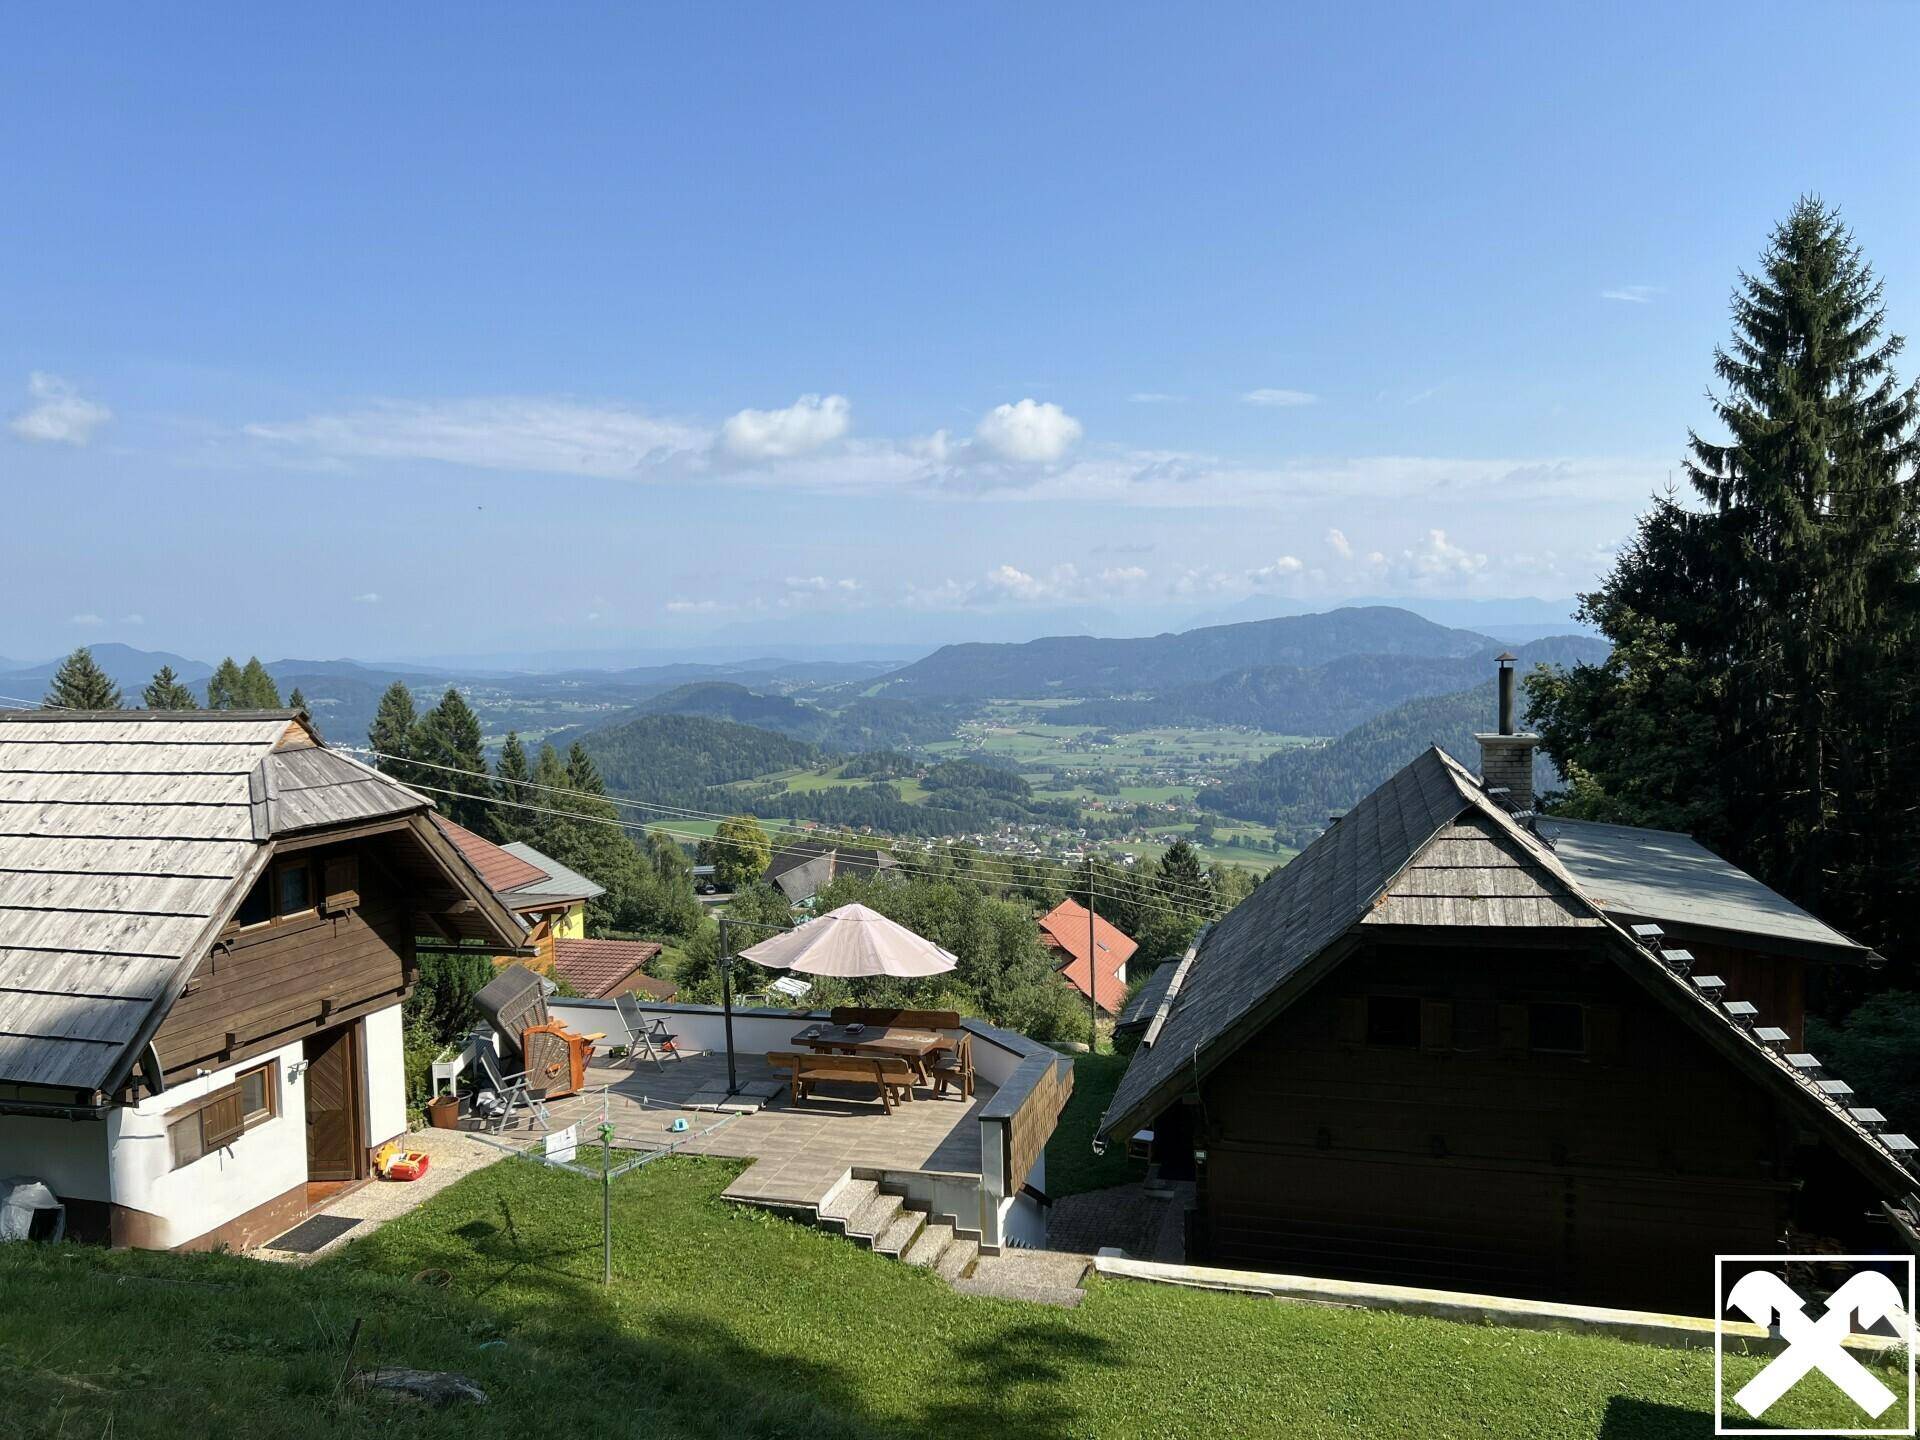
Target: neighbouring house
[
  {"x": 1433, "y": 1050},
  {"x": 1145, "y": 1004},
  {"x": 208, "y": 924},
  {"x": 552, "y": 900},
  {"x": 1063, "y": 931},
  {"x": 801, "y": 869}
]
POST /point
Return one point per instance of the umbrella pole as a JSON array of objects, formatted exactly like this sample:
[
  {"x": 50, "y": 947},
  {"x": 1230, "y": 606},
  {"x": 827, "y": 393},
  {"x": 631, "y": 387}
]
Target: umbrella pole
[{"x": 726, "y": 1003}]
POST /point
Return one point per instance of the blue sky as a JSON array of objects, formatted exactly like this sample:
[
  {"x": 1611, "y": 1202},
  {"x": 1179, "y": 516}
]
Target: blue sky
[{"x": 392, "y": 331}]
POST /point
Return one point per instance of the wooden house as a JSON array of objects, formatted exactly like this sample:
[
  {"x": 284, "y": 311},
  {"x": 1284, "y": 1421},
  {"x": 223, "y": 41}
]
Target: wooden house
[
  {"x": 1433, "y": 1050},
  {"x": 208, "y": 923},
  {"x": 552, "y": 901},
  {"x": 801, "y": 869},
  {"x": 1101, "y": 976}
]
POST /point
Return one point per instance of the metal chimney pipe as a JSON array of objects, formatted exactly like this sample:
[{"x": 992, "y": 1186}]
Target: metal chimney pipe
[{"x": 1506, "y": 661}]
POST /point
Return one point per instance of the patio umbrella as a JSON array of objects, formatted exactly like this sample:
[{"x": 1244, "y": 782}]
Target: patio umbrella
[{"x": 851, "y": 942}]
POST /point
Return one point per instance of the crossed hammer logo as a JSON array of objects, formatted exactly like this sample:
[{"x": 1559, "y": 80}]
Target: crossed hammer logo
[{"x": 1816, "y": 1344}]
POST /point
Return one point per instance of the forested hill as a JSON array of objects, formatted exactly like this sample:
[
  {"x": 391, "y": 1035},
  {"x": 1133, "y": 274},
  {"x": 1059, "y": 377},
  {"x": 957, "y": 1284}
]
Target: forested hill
[
  {"x": 1296, "y": 790},
  {"x": 1083, "y": 665},
  {"x": 724, "y": 700},
  {"x": 676, "y": 757},
  {"x": 1319, "y": 700}
]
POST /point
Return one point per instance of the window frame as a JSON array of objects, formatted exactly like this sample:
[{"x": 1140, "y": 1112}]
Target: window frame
[
  {"x": 190, "y": 1119},
  {"x": 1412, "y": 1002},
  {"x": 1534, "y": 1007}
]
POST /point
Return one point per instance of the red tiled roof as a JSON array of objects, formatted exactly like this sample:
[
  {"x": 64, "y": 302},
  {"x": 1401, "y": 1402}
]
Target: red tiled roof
[
  {"x": 600, "y": 968},
  {"x": 1065, "y": 928},
  {"x": 501, "y": 871}
]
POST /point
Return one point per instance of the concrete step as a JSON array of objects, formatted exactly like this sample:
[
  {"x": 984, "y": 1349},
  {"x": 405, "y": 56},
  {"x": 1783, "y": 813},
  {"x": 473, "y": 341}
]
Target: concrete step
[
  {"x": 839, "y": 1211},
  {"x": 927, "y": 1245},
  {"x": 957, "y": 1260},
  {"x": 874, "y": 1217},
  {"x": 1044, "y": 1277},
  {"x": 904, "y": 1230}
]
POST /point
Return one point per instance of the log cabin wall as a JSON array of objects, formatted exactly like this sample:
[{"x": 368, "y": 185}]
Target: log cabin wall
[
  {"x": 348, "y": 954},
  {"x": 1408, "y": 1122}
]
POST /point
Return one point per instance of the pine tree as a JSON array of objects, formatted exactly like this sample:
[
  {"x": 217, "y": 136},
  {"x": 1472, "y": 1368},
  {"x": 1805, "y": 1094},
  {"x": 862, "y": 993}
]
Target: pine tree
[
  {"x": 80, "y": 684},
  {"x": 297, "y": 701},
  {"x": 390, "y": 736},
  {"x": 448, "y": 737},
  {"x": 1181, "y": 880},
  {"x": 165, "y": 692},
  {"x": 1762, "y": 678},
  {"x": 511, "y": 776},
  {"x": 256, "y": 690},
  {"x": 224, "y": 687}
]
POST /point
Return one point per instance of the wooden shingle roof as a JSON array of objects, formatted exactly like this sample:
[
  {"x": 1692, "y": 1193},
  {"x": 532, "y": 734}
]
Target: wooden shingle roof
[{"x": 126, "y": 840}]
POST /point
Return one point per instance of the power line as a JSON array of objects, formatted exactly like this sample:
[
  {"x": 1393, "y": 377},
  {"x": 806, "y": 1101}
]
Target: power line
[{"x": 1005, "y": 864}]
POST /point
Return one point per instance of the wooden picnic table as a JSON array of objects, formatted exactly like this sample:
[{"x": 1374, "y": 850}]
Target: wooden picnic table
[{"x": 913, "y": 1046}]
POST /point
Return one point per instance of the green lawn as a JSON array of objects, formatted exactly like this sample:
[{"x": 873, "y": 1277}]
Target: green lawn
[
  {"x": 1072, "y": 1167},
  {"x": 722, "y": 1322}
]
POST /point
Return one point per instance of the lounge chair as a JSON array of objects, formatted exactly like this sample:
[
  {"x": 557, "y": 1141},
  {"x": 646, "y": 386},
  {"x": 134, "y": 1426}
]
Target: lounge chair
[
  {"x": 647, "y": 1039},
  {"x": 509, "y": 1091}
]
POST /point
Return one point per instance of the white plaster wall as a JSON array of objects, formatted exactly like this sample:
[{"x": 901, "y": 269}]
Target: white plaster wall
[
  {"x": 69, "y": 1155},
  {"x": 386, "y": 1087},
  {"x": 267, "y": 1161}
]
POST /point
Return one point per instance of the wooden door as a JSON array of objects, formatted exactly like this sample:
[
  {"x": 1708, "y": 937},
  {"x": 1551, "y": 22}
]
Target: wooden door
[{"x": 333, "y": 1106}]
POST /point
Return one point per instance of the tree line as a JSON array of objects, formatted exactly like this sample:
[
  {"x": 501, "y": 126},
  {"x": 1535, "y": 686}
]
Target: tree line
[{"x": 80, "y": 684}]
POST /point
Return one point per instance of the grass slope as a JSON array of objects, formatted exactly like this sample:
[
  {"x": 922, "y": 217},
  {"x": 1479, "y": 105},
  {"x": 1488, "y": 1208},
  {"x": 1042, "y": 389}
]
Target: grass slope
[
  {"x": 1072, "y": 1167},
  {"x": 727, "y": 1323}
]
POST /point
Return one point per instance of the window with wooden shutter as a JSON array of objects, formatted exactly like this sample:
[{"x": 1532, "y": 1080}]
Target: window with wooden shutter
[
  {"x": 1436, "y": 1025},
  {"x": 1350, "y": 1019},
  {"x": 223, "y": 1119},
  {"x": 1513, "y": 1029},
  {"x": 342, "y": 883}
]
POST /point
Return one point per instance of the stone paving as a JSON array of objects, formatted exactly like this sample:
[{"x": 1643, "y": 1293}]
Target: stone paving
[
  {"x": 801, "y": 1151},
  {"x": 1146, "y": 1225}
]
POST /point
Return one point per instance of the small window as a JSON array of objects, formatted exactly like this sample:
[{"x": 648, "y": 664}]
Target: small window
[
  {"x": 1557, "y": 1029},
  {"x": 257, "y": 908},
  {"x": 225, "y": 1115},
  {"x": 296, "y": 890},
  {"x": 1393, "y": 1020}
]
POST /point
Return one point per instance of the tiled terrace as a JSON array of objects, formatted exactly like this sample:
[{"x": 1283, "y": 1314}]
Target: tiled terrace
[{"x": 800, "y": 1152}]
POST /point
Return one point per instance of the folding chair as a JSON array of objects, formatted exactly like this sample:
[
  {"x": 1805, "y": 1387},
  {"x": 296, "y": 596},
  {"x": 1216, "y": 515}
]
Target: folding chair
[
  {"x": 646, "y": 1039},
  {"x": 508, "y": 1091}
]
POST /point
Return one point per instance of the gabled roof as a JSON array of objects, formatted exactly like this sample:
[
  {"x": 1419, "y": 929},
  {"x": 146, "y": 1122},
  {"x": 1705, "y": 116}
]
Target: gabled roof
[
  {"x": 600, "y": 968},
  {"x": 501, "y": 869},
  {"x": 557, "y": 884},
  {"x": 1065, "y": 928},
  {"x": 800, "y": 869},
  {"x": 1674, "y": 880},
  {"x": 1146, "y": 1000},
  {"x": 127, "y": 838},
  {"x": 1427, "y": 848}
]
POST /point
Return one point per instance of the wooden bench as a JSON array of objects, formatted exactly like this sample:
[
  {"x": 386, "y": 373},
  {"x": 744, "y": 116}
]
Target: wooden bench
[
  {"x": 877, "y": 1019},
  {"x": 892, "y": 1079}
]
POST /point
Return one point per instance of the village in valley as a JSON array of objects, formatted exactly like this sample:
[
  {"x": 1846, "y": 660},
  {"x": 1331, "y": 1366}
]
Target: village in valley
[{"x": 1101, "y": 904}]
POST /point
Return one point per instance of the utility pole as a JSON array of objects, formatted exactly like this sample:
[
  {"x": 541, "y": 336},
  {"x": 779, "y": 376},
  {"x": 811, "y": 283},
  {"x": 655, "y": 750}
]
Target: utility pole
[{"x": 1093, "y": 982}]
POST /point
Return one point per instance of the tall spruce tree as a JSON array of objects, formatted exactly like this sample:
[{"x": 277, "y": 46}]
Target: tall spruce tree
[
  {"x": 224, "y": 686},
  {"x": 390, "y": 736},
  {"x": 257, "y": 690},
  {"x": 165, "y": 692},
  {"x": 511, "y": 821},
  {"x": 1762, "y": 682},
  {"x": 80, "y": 684},
  {"x": 448, "y": 737}
]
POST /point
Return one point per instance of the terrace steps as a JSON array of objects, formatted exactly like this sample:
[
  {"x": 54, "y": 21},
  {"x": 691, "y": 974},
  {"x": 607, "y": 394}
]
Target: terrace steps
[{"x": 888, "y": 1224}]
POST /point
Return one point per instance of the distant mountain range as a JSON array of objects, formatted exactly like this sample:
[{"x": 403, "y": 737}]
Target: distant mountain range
[{"x": 1082, "y": 665}]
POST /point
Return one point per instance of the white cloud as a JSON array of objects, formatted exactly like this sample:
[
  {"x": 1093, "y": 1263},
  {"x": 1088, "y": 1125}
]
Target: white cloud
[
  {"x": 1280, "y": 399},
  {"x": 133, "y": 617},
  {"x": 1437, "y": 560},
  {"x": 1337, "y": 542},
  {"x": 1283, "y": 568},
  {"x": 551, "y": 436},
  {"x": 696, "y": 607},
  {"x": 371, "y": 597},
  {"x": 809, "y": 423},
  {"x": 1029, "y": 432},
  {"x": 1122, "y": 577},
  {"x": 817, "y": 592},
  {"x": 56, "y": 412},
  {"x": 88, "y": 619},
  {"x": 1632, "y": 294}
]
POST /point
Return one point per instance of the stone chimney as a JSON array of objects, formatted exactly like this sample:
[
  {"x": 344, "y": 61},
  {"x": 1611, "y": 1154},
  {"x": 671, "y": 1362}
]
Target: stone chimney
[{"x": 1506, "y": 755}]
